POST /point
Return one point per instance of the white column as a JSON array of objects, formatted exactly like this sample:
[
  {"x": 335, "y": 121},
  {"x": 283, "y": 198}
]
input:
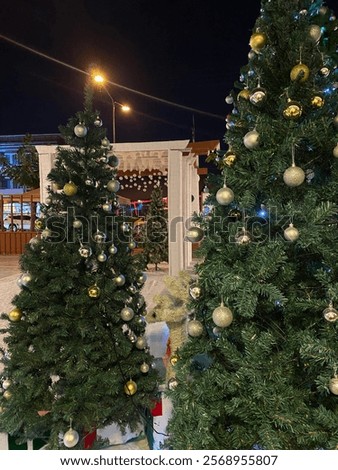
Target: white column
[{"x": 46, "y": 162}]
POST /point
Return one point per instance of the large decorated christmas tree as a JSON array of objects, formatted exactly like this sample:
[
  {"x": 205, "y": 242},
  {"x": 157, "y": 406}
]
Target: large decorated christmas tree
[
  {"x": 260, "y": 367},
  {"x": 76, "y": 356}
]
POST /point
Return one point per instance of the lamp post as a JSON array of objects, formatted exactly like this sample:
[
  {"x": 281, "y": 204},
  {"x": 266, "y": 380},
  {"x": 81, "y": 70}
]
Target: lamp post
[{"x": 99, "y": 79}]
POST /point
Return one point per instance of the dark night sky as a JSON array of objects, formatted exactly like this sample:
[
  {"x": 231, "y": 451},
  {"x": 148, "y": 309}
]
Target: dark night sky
[{"x": 188, "y": 52}]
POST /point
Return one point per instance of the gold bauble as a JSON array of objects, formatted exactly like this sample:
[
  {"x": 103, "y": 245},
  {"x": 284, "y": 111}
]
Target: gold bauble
[
  {"x": 174, "y": 359},
  {"x": 7, "y": 395},
  {"x": 229, "y": 158},
  {"x": 224, "y": 196},
  {"x": 144, "y": 368},
  {"x": 333, "y": 385},
  {"x": 335, "y": 151},
  {"x": 315, "y": 32},
  {"x": 300, "y": 72},
  {"x": 291, "y": 233},
  {"x": 130, "y": 388},
  {"x": 194, "y": 234},
  {"x": 120, "y": 280},
  {"x": 6, "y": 384},
  {"x": 243, "y": 94},
  {"x": 293, "y": 110},
  {"x": 70, "y": 189},
  {"x": 330, "y": 314},
  {"x": 317, "y": 101},
  {"x": 15, "y": 314},
  {"x": 141, "y": 342},
  {"x": 258, "y": 41},
  {"x": 38, "y": 224},
  {"x": 195, "y": 328},
  {"x": 127, "y": 314},
  {"x": 293, "y": 176},
  {"x": 222, "y": 316},
  {"x": 94, "y": 292}
]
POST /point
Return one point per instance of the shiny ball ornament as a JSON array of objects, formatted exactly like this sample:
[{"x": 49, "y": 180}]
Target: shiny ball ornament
[
  {"x": 172, "y": 383},
  {"x": 291, "y": 234},
  {"x": 335, "y": 151},
  {"x": 195, "y": 292},
  {"x": 315, "y": 32},
  {"x": 225, "y": 196},
  {"x": 222, "y": 316},
  {"x": 113, "y": 186},
  {"x": 113, "y": 161},
  {"x": 132, "y": 245},
  {"x": 99, "y": 237},
  {"x": 77, "y": 223},
  {"x": 174, "y": 359},
  {"x": 243, "y": 238},
  {"x": 293, "y": 176},
  {"x": 102, "y": 257},
  {"x": 229, "y": 99},
  {"x": 293, "y": 110},
  {"x": 85, "y": 251},
  {"x": 257, "y": 41},
  {"x": 25, "y": 279},
  {"x": 317, "y": 101},
  {"x": 106, "y": 207},
  {"x": 38, "y": 224},
  {"x": 333, "y": 385},
  {"x": 94, "y": 292},
  {"x": 195, "y": 328},
  {"x": 194, "y": 234},
  {"x": 330, "y": 314},
  {"x": 6, "y": 384},
  {"x": 300, "y": 72},
  {"x": 142, "y": 278},
  {"x": 141, "y": 342},
  {"x": 15, "y": 314},
  {"x": 127, "y": 314},
  {"x": 243, "y": 94},
  {"x": 98, "y": 122},
  {"x": 130, "y": 388},
  {"x": 105, "y": 142},
  {"x": 325, "y": 71},
  {"x": 144, "y": 368},
  {"x": 80, "y": 130},
  {"x": 258, "y": 96},
  {"x": 71, "y": 438},
  {"x": 70, "y": 189},
  {"x": 120, "y": 280},
  {"x": 112, "y": 250},
  {"x": 251, "y": 140},
  {"x": 7, "y": 394},
  {"x": 229, "y": 158}
]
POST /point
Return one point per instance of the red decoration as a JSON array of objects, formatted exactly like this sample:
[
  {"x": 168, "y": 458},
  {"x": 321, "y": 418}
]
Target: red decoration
[
  {"x": 157, "y": 410},
  {"x": 89, "y": 439}
]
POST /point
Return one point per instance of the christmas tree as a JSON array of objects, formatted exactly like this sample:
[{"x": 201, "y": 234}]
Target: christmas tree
[
  {"x": 155, "y": 246},
  {"x": 260, "y": 366},
  {"x": 77, "y": 358}
]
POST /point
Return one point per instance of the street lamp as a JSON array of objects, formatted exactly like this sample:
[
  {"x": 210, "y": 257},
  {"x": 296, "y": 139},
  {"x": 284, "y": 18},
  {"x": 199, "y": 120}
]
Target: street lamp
[{"x": 100, "y": 80}]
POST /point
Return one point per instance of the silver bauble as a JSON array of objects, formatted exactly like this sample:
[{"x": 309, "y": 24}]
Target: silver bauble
[
  {"x": 71, "y": 438},
  {"x": 98, "y": 122},
  {"x": 194, "y": 328},
  {"x": 172, "y": 383},
  {"x": 251, "y": 139},
  {"x": 258, "y": 96},
  {"x": 291, "y": 233},
  {"x": 225, "y": 196},
  {"x": 293, "y": 176},
  {"x": 144, "y": 368},
  {"x": 85, "y": 251},
  {"x": 120, "y": 280},
  {"x": 315, "y": 32},
  {"x": 77, "y": 223},
  {"x": 106, "y": 207},
  {"x": 99, "y": 237},
  {"x": 141, "y": 342},
  {"x": 330, "y": 314},
  {"x": 6, "y": 384},
  {"x": 25, "y": 279},
  {"x": 112, "y": 250},
  {"x": 102, "y": 257},
  {"x": 105, "y": 142},
  {"x": 222, "y": 316},
  {"x": 80, "y": 130},
  {"x": 194, "y": 234},
  {"x": 113, "y": 186},
  {"x": 142, "y": 278},
  {"x": 229, "y": 99},
  {"x": 335, "y": 151},
  {"x": 333, "y": 385},
  {"x": 195, "y": 292},
  {"x": 127, "y": 314}
]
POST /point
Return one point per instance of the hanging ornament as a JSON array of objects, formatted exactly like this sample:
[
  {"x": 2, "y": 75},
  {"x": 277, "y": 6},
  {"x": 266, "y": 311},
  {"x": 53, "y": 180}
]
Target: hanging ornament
[
  {"x": 105, "y": 142},
  {"x": 243, "y": 237},
  {"x": 300, "y": 72},
  {"x": 141, "y": 342},
  {"x": 70, "y": 189},
  {"x": 195, "y": 292},
  {"x": 15, "y": 314},
  {"x": 127, "y": 314},
  {"x": 194, "y": 328},
  {"x": 235, "y": 214},
  {"x": 132, "y": 245},
  {"x": 258, "y": 96},
  {"x": 194, "y": 234},
  {"x": 293, "y": 110},
  {"x": 229, "y": 158},
  {"x": 144, "y": 368},
  {"x": 113, "y": 161},
  {"x": 172, "y": 383},
  {"x": 7, "y": 395},
  {"x": 25, "y": 279},
  {"x": 257, "y": 41},
  {"x": 335, "y": 151},
  {"x": 333, "y": 385},
  {"x": 94, "y": 291},
  {"x": 125, "y": 227},
  {"x": 77, "y": 223},
  {"x": 102, "y": 257},
  {"x": 6, "y": 384},
  {"x": 80, "y": 130},
  {"x": 243, "y": 94},
  {"x": 99, "y": 237},
  {"x": 113, "y": 186},
  {"x": 89, "y": 182},
  {"x": 130, "y": 388},
  {"x": 98, "y": 121},
  {"x": 317, "y": 101},
  {"x": 141, "y": 278},
  {"x": 222, "y": 316},
  {"x": 174, "y": 359},
  {"x": 71, "y": 438},
  {"x": 325, "y": 71},
  {"x": 291, "y": 233},
  {"x": 106, "y": 207},
  {"x": 251, "y": 139},
  {"x": 112, "y": 250},
  {"x": 315, "y": 32},
  {"x": 225, "y": 196},
  {"x": 330, "y": 314},
  {"x": 85, "y": 251},
  {"x": 39, "y": 224},
  {"x": 120, "y": 280},
  {"x": 293, "y": 176}
]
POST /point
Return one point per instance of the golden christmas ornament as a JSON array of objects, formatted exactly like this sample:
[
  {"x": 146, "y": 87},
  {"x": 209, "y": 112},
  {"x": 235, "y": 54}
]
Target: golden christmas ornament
[
  {"x": 224, "y": 196},
  {"x": 222, "y": 316},
  {"x": 258, "y": 41},
  {"x": 120, "y": 280},
  {"x": 293, "y": 176},
  {"x": 330, "y": 314},
  {"x": 6, "y": 384},
  {"x": 127, "y": 314},
  {"x": 144, "y": 368},
  {"x": 243, "y": 237},
  {"x": 15, "y": 314},
  {"x": 7, "y": 395},
  {"x": 315, "y": 32},
  {"x": 195, "y": 234},
  {"x": 70, "y": 189},
  {"x": 300, "y": 72},
  {"x": 293, "y": 110},
  {"x": 251, "y": 139},
  {"x": 317, "y": 101},
  {"x": 174, "y": 359},
  {"x": 130, "y": 388},
  {"x": 333, "y": 385},
  {"x": 195, "y": 328},
  {"x": 229, "y": 158},
  {"x": 291, "y": 233},
  {"x": 94, "y": 291},
  {"x": 243, "y": 94},
  {"x": 258, "y": 96},
  {"x": 38, "y": 224}
]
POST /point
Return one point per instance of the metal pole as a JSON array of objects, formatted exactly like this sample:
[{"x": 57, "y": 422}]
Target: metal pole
[{"x": 114, "y": 121}]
